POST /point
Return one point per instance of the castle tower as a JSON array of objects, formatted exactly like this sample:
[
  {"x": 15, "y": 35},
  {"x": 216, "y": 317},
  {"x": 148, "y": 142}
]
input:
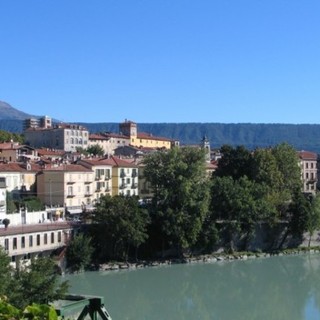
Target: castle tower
[
  {"x": 128, "y": 128},
  {"x": 205, "y": 144}
]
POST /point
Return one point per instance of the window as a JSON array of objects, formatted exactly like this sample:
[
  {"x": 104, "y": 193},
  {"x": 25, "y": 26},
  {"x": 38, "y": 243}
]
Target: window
[
  {"x": 45, "y": 238},
  {"x": 307, "y": 175},
  {"x": 307, "y": 165},
  {"x": 38, "y": 239},
  {"x": 14, "y": 243},
  {"x": 30, "y": 241},
  {"x": 23, "y": 242},
  {"x": 59, "y": 236},
  {"x": 52, "y": 237},
  {"x": 70, "y": 191},
  {"x": 6, "y": 244},
  {"x": 311, "y": 165}
]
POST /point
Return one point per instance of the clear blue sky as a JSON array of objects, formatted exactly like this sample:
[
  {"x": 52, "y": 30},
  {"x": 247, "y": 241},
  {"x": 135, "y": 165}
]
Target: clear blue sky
[{"x": 229, "y": 61}]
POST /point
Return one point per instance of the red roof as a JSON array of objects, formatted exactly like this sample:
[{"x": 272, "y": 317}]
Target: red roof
[
  {"x": 50, "y": 152},
  {"x": 68, "y": 168},
  {"x": 307, "y": 155},
  {"x": 10, "y": 146},
  {"x": 144, "y": 135},
  {"x": 117, "y": 162},
  {"x": 19, "y": 167},
  {"x": 98, "y": 137}
]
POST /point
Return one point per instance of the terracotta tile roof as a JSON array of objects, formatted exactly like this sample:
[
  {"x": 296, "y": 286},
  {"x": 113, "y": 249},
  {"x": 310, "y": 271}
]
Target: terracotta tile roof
[
  {"x": 19, "y": 167},
  {"x": 98, "y": 137},
  {"x": 68, "y": 168},
  {"x": 97, "y": 162},
  {"x": 10, "y": 146},
  {"x": 144, "y": 135},
  {"x": 49, "y": 152},
  {"x": 115, "y": 135},
  {"x": 307, "y": 155},
  {"x": 117, "y": 162},
  {"x": 211, "y": 166}
]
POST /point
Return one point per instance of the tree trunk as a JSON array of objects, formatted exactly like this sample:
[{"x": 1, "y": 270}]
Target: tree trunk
[{"x": 283, "y": 239}]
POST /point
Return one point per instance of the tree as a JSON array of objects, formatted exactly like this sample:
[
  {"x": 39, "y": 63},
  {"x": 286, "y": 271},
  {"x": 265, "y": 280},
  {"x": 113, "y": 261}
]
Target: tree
[
  {"x": 288, "y": 165},
  {"x": 235, "y": 162},
  {"x": 121, "y": 224},
  {"x": 79, "y": 253},
  {"x": 37, "y": 283},
  {"x": 95, "y": 150},
  {"x": 181, "y": 194},
  {"x": 313, "y": 219},
  {"x": 5, "y": 273},
  {"x": 6, "y": 136},
  {"x": 298, "y": 213},
  {"x": 238, "y": 205}
]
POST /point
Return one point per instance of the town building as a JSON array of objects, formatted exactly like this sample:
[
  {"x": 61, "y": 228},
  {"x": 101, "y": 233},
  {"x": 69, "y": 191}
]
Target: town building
[
  {"x": 20, "y": 178},
  {"x": 125, "y": 175},
  {"x": 24, "y": 242},
  {"x": 15, "y": 152},
  {"x": 309, "y": 171},
  {"x": 109, "y": 141},
  {"x": 102, "y": 176},
  {"x": 67, "y": 137},
  {"x": 141, "y": 139},
  {"x": 66, "y": 185}
]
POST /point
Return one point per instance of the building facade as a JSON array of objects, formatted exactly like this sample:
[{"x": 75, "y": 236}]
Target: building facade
[
  {"x": 67, "y": 137},
  {"x": 67, "y": 185},
  {"x": 309, "y": 171}
]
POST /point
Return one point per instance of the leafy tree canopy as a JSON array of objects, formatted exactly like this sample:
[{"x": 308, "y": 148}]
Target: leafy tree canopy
[
  {"x": 95, "y": 150},
  {"x": 123, "y": 221},
  {"x": 181, "y": 194},
  {"x": 79, "y": 253}
]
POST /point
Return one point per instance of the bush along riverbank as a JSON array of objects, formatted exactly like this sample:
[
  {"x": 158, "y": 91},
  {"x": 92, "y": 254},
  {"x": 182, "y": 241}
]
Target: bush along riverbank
[{"x": 208, "y": 258}]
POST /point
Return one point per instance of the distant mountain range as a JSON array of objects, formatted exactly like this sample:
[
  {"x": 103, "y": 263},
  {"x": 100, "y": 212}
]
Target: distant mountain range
[{"x": 251, "y": 135}]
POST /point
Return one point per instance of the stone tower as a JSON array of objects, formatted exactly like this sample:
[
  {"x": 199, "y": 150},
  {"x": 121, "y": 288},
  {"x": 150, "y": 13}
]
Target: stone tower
[
  {"x": 205, "y": 144},
  {"x": 128, "y": 128}
]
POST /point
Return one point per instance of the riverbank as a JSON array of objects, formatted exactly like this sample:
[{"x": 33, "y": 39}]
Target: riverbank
[{"x": 208, "y": 258}]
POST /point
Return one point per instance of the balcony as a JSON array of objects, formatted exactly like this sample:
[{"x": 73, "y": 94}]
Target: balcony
[
  {"x": 70, "y": 195},
  {"x": 107, "y": 178},
  {"x": 97, "y": 178},
  {"x": 134, "y": 186},
  {"x": 122, "y": 186},
  {"x": 88, "y": 194},
  {"x": 88, "y": 181},
  {"x": 71, "y": 182},
  {"x": 122, "y": 174}
]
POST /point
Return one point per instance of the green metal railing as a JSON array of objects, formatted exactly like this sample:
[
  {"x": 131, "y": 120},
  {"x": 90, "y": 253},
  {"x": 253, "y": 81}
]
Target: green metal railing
[{"x": 79, "y": 307}]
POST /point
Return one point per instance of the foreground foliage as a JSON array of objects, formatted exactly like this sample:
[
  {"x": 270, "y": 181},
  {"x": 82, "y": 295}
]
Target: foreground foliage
[
  {"x": 32, "y": 312},
  {"x": 37, "y": 283}
]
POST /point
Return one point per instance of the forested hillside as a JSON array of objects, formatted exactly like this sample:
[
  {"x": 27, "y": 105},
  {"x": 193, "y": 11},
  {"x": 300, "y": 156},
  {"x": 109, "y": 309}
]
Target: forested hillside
[{"x": 301, "y": 136}]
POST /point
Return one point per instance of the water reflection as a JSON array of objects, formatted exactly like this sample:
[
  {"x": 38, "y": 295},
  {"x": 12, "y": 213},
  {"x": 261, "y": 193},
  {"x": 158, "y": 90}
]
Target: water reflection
[{"x": 272, "y": 288}]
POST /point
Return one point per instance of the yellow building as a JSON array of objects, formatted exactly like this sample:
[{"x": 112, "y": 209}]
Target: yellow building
[{"x": 145, "y": 140}]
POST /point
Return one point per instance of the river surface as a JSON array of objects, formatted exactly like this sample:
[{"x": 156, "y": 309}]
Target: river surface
[{"x": 286, "y": 287}]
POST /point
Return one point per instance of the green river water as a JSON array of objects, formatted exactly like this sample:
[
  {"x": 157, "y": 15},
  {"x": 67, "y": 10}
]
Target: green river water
[{"x": 286, "y": 287}]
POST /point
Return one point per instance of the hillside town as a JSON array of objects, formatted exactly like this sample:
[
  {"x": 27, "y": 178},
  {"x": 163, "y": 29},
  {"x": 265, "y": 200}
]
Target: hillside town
[{"x": 69, "y": 183}]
